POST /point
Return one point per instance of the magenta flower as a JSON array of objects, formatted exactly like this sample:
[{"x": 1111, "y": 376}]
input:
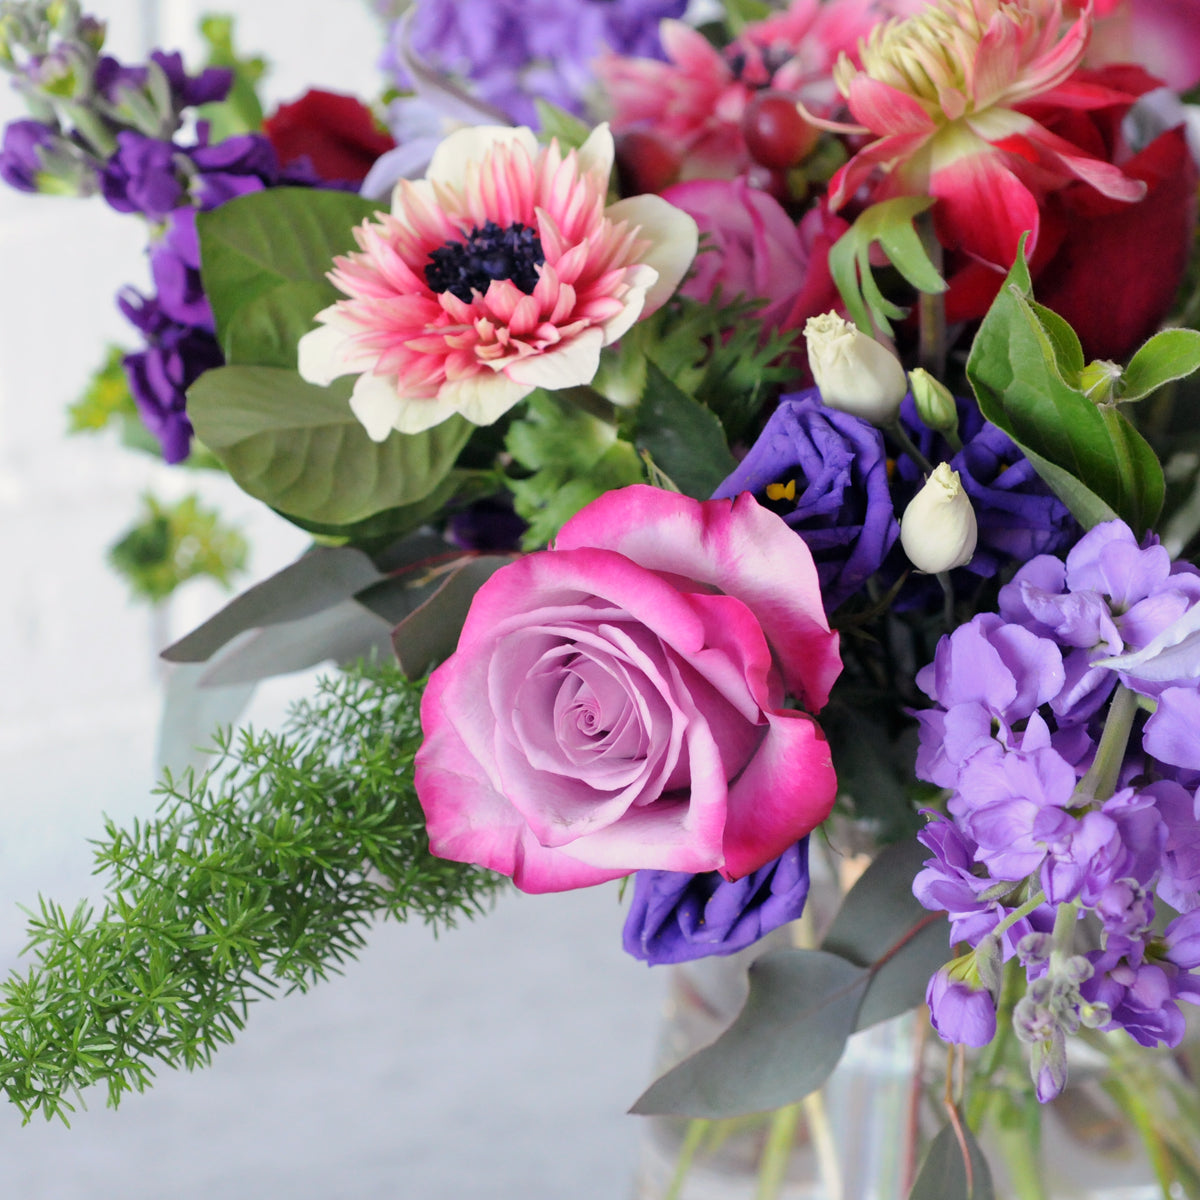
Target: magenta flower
[
  {"x": 616, "y": 703},
  {"x": 943, "y": 93},
  {"x": 500, "y": 272}
]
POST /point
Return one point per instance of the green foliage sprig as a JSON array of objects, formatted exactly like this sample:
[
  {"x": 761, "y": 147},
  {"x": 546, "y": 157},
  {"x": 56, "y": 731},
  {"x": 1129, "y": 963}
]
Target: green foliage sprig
[{"x": 263, "y": 872}]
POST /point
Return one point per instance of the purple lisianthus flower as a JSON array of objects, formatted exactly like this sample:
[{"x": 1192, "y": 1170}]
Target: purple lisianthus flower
[
  {"x": 676, "y": 916},
  {"x": 487, "y": 525},
  {"x": 959, "y": 1012},
  {"x": 21, "y": 155},
  {"x": 831, "y": 472}
]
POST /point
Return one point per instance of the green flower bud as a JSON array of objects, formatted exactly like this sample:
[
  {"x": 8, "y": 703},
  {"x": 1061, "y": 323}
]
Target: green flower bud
[
  {"x": 934, "y": 401},
  {"x": 1098, "y": 380}
]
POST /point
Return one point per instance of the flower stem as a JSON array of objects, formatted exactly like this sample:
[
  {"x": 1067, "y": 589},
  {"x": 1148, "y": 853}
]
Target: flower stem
[
  {"x": 696, "y": 1130},
  {"x": 931, "y": 307},
  {"x": 772, "y": 1165},
  {"x": 896, "y": 432},
  {"x": 1101, "y": 779}
]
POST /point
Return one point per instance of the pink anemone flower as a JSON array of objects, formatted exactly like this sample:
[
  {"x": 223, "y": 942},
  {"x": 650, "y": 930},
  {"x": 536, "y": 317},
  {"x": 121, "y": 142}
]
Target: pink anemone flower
[
  {"x": 943, "y": 91},
  {"x": 500, "y": 272}
]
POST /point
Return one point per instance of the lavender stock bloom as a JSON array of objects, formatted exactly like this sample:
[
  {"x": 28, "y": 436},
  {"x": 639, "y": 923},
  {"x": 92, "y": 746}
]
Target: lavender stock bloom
[
  {"x": 514, "y": 50},
  {"x": 831, "y": 470},
  {"x": 676, "y": 916}
]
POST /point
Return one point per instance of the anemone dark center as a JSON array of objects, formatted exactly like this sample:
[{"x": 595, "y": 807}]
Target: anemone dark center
[{"x": 488, "y": 252}]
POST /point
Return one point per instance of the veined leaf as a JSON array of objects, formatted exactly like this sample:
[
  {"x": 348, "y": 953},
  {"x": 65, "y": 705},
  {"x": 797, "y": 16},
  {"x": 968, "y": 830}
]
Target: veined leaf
[
  {"x": 1015, "y": 368},
  {"x": 299, "y": 447},
  {"x": 954, "y": 1168},
  {"x": 1171, "y": 354}
]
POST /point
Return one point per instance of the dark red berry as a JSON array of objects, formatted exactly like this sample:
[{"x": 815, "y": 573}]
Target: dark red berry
[
  {"x": 776, "y": 134},
  {"x": 645, "y": 162}
]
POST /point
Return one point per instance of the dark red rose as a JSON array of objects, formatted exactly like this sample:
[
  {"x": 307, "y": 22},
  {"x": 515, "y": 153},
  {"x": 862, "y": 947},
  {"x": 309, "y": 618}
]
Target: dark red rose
[
  {"x": 337, "y": 135},
  {"x": 1111, "y": 268}
]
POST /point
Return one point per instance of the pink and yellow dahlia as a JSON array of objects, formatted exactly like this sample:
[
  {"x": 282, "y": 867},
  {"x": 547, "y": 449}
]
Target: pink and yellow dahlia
[
  {"x": 944, "y": 92},
  {"x": 501, "y": 271}
]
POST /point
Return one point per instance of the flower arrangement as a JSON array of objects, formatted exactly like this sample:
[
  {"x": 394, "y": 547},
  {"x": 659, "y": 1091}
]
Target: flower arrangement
[{"x": 765, "y": 493}]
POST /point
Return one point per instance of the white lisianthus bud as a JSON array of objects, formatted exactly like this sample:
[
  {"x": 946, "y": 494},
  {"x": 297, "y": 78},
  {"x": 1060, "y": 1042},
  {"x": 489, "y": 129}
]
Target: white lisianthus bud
[
  {"x": 938, "y": 530},
  {"x": 934, "y": 401},
  {"x": 854, "y": 372}
]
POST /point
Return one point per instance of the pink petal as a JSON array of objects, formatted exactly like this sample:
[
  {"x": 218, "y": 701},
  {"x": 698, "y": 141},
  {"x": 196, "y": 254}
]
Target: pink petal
[
  {"x": 742, "y": 549},
  {"x": 886, "y": 110},
  {"x": 786, "y": 790}
]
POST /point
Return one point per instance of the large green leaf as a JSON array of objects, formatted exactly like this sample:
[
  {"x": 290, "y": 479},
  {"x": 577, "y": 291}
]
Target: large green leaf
[
  {"x": 300, "y": 448},
  {"x": 1020, "y": 366},
  {"x": 784, "y": 1043},
  {"x": 254, "y": 244}
]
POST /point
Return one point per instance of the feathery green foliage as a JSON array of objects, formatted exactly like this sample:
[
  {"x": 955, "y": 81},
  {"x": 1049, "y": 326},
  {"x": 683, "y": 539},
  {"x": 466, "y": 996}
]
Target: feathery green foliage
[{"x": 263, "y": 872}]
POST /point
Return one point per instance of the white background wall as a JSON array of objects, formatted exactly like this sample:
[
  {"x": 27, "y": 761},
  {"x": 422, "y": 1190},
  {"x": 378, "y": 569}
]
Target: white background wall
[{"x": 497, "y": 1061}]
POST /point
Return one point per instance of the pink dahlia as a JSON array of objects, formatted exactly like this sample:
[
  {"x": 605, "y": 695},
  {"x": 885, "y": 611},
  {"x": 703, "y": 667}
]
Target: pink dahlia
[
  {"x": 695, "y": 101},
  {"x": 944, "y": 91},
  {"x": 499, "y": 272}
]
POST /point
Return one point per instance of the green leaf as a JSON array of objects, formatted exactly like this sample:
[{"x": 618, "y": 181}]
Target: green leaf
[
  {"x": 1014, "y": 368},
  {"x": 882, "y": 926},
  {"x": 1066, "y": 352},
  {"x": 555, "y": 122},
  {"x": 1171, "y": 354},
  {"x": 256, "y": 243},
  {"x": 684, "y": 438},
  {"x": 954, "y": 1169},
  {"x": 890, "y": 223},
  {"x": 324, "y": 576},
  {"x": 265, "y": 329},
  {"x": 784, "y": 1043},
  {"x": 240, "y": 112},
  {"x": 299, "y": 448}
]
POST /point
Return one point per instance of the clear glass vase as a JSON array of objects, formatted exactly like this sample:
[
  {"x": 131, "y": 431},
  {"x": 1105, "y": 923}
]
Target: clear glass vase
[{"x": 864, "y": 1134}]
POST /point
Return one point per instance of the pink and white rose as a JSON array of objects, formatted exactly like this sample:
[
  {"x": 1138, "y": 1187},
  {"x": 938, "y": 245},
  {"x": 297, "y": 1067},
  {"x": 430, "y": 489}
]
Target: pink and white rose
[{"x": 638, "y": 696}]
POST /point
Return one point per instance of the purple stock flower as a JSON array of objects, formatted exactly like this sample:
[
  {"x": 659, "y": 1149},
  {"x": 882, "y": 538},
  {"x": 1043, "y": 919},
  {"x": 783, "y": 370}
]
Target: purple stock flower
[
  {"x": 959, "y": 1012},
  {"x": 187, "y": 91},
  {"x": 21, "y": 155},
  {"x": 833, "y": 467},
  {"x": 143, "y": 176},
  {"x": 515, "y": 50},
  {"x": 176, "y": 355},
  {"x": 676, "y": 916}
]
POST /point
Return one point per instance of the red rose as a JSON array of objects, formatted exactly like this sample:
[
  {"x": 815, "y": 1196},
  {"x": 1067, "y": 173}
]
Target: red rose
[{"x": 337, "y": 134}]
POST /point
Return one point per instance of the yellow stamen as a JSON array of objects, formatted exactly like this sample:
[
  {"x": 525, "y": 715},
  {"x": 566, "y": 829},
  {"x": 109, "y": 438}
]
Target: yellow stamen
[{"x": 782, "y": 491}]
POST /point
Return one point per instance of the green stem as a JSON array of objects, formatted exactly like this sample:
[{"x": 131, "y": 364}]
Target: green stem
[
  {"x": 772, "y": 1166},
  {"x": 931, "y": 307},
  {"x": 896, "y": 432},
  {"x": 943, "y": 578},
  {"x": 696, "y": 1130},
  {"x": 1101, "y": 779},
  {"x": 981, "y": 1092},
  {"x": 1035, "y": 901},
  {"x": 1022, "y": 1157}
]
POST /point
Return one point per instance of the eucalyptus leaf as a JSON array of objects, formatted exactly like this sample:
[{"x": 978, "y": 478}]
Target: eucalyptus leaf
[
  {"x": 343, "y": 633},
  {"x": 1014, "y": 370},
  {"x": 324, "y": 576},
  {"x": 784, "y": 1043},
  {"x": 252, "y": 244},
  {"x": 684, "y": 438},
  {"x": 1171, "y": 354},
  {"x": 954, "y": 1169},
  {"x": 429, "y": 634},
  {"x": 299, "y": 447}
]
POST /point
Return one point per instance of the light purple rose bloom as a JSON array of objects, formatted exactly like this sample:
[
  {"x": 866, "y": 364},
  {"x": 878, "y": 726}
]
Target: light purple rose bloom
[{"x": 676, "y": 917}]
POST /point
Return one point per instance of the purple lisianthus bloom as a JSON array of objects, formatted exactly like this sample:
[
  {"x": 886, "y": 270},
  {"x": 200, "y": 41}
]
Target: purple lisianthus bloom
[
  {"x": 487, "y": 525},
  {"x": 830, "y": 470},
  {"x": 676, "y": 916},
  {"x": 21, "y": 155},
  {"x": 176, "y": 355},
  {"x": 959, "y": 1012}
]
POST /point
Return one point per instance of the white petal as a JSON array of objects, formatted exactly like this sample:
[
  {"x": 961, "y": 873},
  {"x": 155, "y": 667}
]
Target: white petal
[
  {"x": 674, "y": 237},
  {"x": 597, "y": 153},
  {"x": 640, "y": 280},
  {"x": 375, "y": 403},
  {"x": 485, "y": 397},
  {"x": 448, "y": 165},
  {"x": 569, "y": 364},
  {"x": 324, "y": 353}
]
